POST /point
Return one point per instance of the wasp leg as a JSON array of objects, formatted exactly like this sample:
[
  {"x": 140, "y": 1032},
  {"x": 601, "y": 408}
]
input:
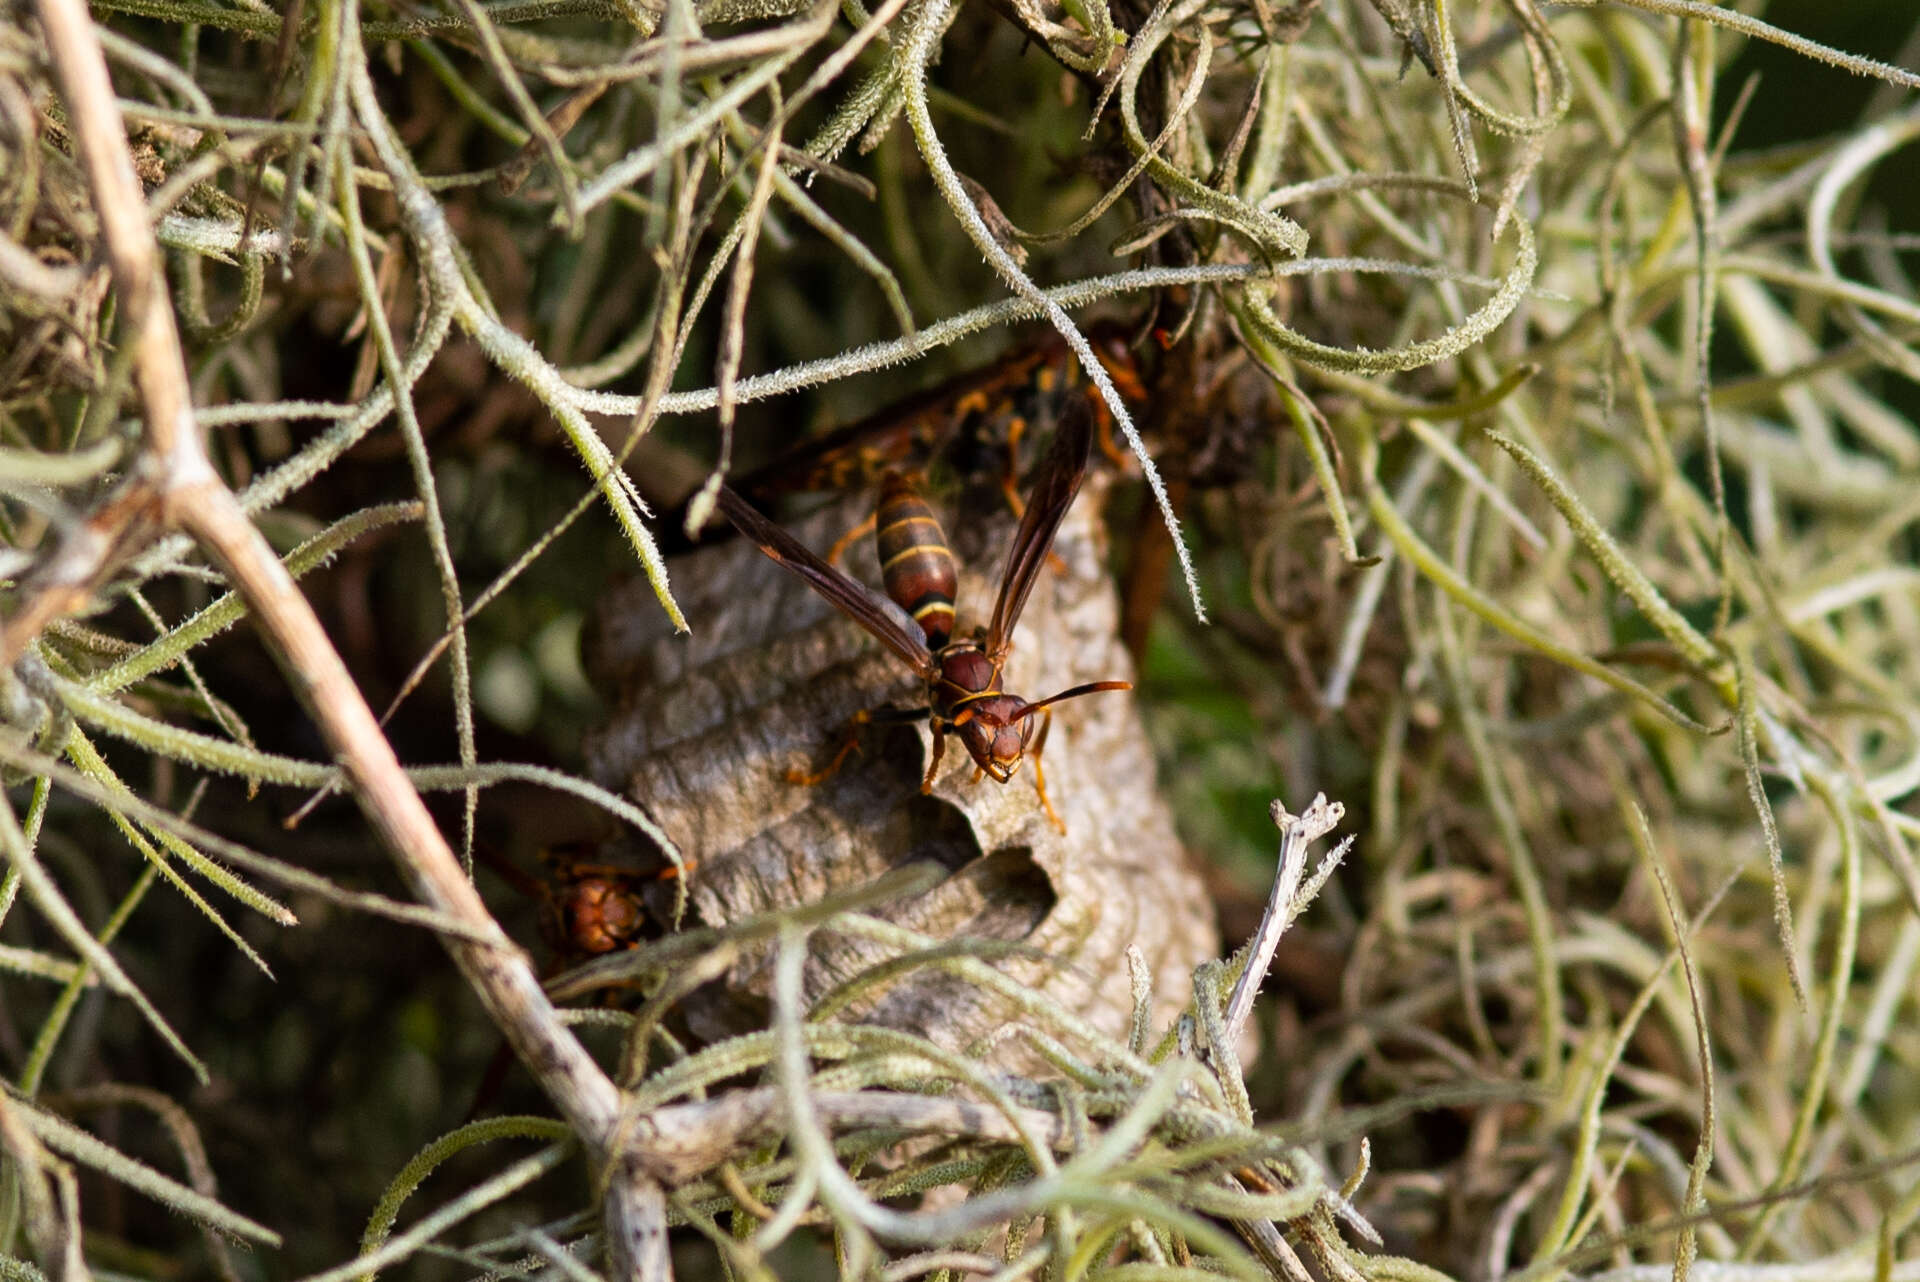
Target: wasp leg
[
  {"x": 847, "y": 540},
  {"x": 850, "y": 741},
  {"x": 673, "y": 871},
  {"x": 1010, "y": 475},
  {"x": 1103, "y": 423},
  {"x": 608, "y": 871},
  {"x": 1040, "y": 776},
  {"x": 1010, "y": 486},
  {"x": 939, "y": 747}
]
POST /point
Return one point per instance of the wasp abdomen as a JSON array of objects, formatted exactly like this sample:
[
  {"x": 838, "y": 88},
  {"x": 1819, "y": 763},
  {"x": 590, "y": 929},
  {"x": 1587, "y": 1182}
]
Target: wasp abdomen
[{"x": 915, "y": 563}]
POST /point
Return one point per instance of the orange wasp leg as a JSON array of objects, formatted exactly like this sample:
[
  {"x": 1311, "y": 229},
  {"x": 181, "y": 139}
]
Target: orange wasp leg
[
  {"x": 850, "y": 742},
  {"x": 1103, "y": 422},
  {"x": 673, "y": 872},
  {"x": 1126, "y": 380},
  {"x": 609, "y": 872},
  {"x": 933, "y": 766},
  {"x": 940, "y": 746},
  {"x": 1010, "y": 476},
  {"x": 1040, "y": 775},
  {"x": 847, "y": 540},
  {"x": 1010, "y": 482}
]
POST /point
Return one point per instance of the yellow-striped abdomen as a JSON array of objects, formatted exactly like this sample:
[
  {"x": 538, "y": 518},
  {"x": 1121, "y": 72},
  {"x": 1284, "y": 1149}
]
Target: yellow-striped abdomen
[{"x": 915, "y": 562}]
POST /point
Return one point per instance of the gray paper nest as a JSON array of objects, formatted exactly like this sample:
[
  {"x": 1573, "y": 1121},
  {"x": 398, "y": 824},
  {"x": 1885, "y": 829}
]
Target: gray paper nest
[{"x": 709, "y": 726}]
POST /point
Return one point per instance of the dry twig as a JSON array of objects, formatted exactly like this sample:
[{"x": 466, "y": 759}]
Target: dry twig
[{"x": 173, "y": 484}]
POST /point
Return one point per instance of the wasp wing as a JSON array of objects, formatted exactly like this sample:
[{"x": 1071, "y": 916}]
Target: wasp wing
[
  {"x": 847, "y": 596},
  {"x": 1059, "y": 480}
]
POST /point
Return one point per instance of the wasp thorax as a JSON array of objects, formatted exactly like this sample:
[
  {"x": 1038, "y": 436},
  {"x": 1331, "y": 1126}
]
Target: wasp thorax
[{"x": 965, "y": 671}]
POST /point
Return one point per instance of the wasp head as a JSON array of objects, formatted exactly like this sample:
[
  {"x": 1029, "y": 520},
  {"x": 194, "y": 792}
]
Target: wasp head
[{"x": 996, "y": 734}]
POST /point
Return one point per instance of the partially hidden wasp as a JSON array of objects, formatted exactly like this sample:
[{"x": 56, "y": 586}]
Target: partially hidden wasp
[
  {"x": 973, "y": 423},
  {"x": 963, "y": 674}
]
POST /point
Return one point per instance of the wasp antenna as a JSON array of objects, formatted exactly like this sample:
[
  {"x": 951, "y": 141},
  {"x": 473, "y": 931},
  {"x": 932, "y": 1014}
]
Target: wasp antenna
[{"x": 1095, "y": 687}]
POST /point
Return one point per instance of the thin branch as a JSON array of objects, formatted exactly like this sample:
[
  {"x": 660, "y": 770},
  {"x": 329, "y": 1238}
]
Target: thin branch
[
  {"x": 175, "y": 477},
  {"x": 686, "y": 1141}
]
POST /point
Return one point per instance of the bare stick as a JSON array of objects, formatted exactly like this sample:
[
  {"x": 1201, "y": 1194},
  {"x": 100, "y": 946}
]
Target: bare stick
[
  {"x": 1297, "y": 832},
  {"x": 175, "y": 481},
  {"x": 686, "y": 1141}
]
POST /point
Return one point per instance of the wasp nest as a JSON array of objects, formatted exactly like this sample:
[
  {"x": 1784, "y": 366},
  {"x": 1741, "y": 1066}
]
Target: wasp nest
[{"x": 712, "y": 728}]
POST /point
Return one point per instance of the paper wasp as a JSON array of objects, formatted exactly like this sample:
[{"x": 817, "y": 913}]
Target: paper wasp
[
  {"x": 588, "y": 893},
  {"x": 963, "y": 675},
  {"x": 973, "y": 423}
]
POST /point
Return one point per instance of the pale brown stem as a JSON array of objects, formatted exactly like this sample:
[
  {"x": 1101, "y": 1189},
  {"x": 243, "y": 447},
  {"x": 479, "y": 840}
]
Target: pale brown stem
[
  {"x": 685, "y": 1142},
  {"x": 175, "y": 482}
]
